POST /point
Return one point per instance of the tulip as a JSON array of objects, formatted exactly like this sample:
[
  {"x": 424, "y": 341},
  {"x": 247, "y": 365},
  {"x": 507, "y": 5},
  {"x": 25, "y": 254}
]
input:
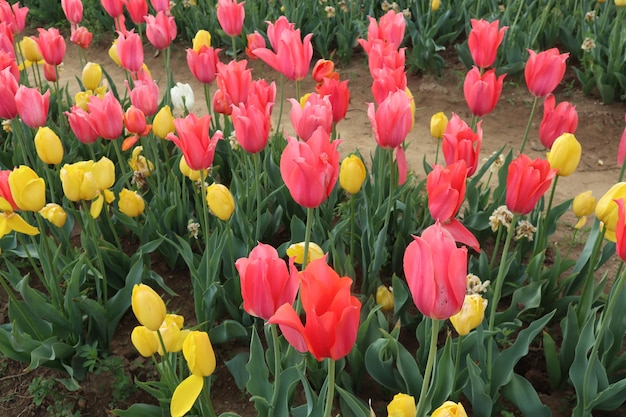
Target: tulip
[
  {"x": 338, "y": 94},
  {"x": 137, "y": 9},
  {"x": 171, "y": 334},
  {"x": 392, "y": 121},
  {"x": 50, "y": 72},
  {"x": 254, "y": 40},
  {"x": 129, "y": 51},
  {"x": 526, "y": 182},
  {"x": 332, "y": 314},
  {"x": 145, "y": 341},
  {"x": 436, "y": 271},
  {"x": 27, "y": 189},
  {"x": 230, "y": 15},
  {"x": 145, "y": 94},
  {"x": 221, "y": 103},
  {"x": 51, "y": 45},
  {"x": 606, "y": 209},
  {"x": 115, "y": 57},
  {"x": 544, "y": 71},
  {"x": 583, "y": 205},
  {"x": 5, "y": 191},
  {"x": 389, "y": 29},
  {"x": 32, "y": 106},
  {"x": 402, "y": 405},
  {"x": 482, "y": 91},
  {"x": 220, "y": 201},
  {"x": 565, "y": 154},
  {"x": 139, "y": 163},
  {"x": 438, "y": 124},
  {"x": 135, "y": 121},
  {"x": 203, "y": 63},
  {"x": 194, "y": 141},
  {"x": 14, "y": 16},
  {"x": 92, "y": 74},
  {"x": 296, "y": 251},
  {"x": 621, "y": 150},
  {"x": 131, "y": 203},
  {"x": 460, "y": 142},
  {"x": 202, "y": 38},
  {"x": 434, "y": 5},
  {"x": 275, "y": 30},
  {"x": 383, "y": 55},
  {"x": 76, "y": 184},
  {"x": 8, "y": 89},
  {"x": 48, "y": 145},
  {"x": 81, "y": 37},
  {"x": 80, "y": 125},
  {"x": 315, "y": 112},
  {"x": 262, "y": 95},
  {"x": 30, "y": 49},
  {"x": 310, "y": 169},
  {"x": 556, "y": 121},
  {"x": 234, "y": 80},
  {"x": 161, "y": 5},
  {"x": 160, "y": 29},
  {"x": 446, "y": 190},
  {"x": 484, "y": 40},
  {"x": 292, "y": 56},
  {"x": 384, "y": 298},
  {"x": 252, "y": 126},
  {"x": 148, "y": 306},
  {"x": 182, "y": 97},
  {"x": 106, "y": 116},
  {"x": 12, "y": 222},
  {"x": 266, "y": 283},
  {"x": 54, "y": 213},
  {"x": 450, "y": 409},
  {"x": 620, "y": 230},
  {"x": 192, "y": 174},
  {"x": 471, "y": 314},
  {"x": 324, "y": 68},
  {"x": 352, "y": 174},
  {"x": 163, "y": 123}
]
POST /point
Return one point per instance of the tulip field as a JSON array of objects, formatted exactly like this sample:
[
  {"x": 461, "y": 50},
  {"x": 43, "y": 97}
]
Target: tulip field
[{"x": 279, "y": 208}]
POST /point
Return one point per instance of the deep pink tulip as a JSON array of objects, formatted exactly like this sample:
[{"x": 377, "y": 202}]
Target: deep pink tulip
[
  {"x": 81, "y": 126},
  {"x": 387, "y": 81},
  {"x": 292, "y": 57},
  {"x": 160, "y": 30},
  {"x": 51, "y": 45},
  {"x": 482, "y": 92},
  {"x": 8, "y": 61},
  {"x": 81, "y": 36},
  {"x": 338, "y": 94},
  {"x": 137, "y": 9},
  {"x": 556, "y": 120},
  {"x": 252, "y": 126},
  {"x": 436, "y": 271},
  {"x": 145, "y": 94},
  {"x": 161, "y": 5},
  {"x": 266, "y": 283},
  {"x": 620, "y": 230},
  {"x": 544, "y": 71},
  {"x": 460, "y": 142},
  {"x": 106, "y": 116},
  {"x": 32, "y": 106},
  {"x": 275, "y": 30},
  {"x": 130, "y": 51},
  {"x": 73, "y": 10},
  {"x": 621, "y": 151},
  {"x": 262, "y": 94},
  {"x": 234, "y": 80},
  {"x": 392, "y": 120},
  {"x": 526, "y": 182},
  {"x": 484, "y": 40},
  {"x": 310, "y": 169},
  {"x": 316, "y": 112},
  {"x": 254, "y": 40},
  {"x": 8, "y": 89},
  {"x": 384, "y": 55},
  {"x": 14, "y": 16},
  {"x": 332, "y": 314},
  {"x": 390, "y": 29},
  {"x": 115, "y": 8},
  {"x": 203, "y": 64},
  {"x": 230, "y": 15},
  {"x": 194, "y": 141}
]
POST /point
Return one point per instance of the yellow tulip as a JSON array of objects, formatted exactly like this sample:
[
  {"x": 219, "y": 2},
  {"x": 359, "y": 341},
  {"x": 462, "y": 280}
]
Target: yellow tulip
[
  {"x": 104, "y": 173},
  {"x": 412, "y": 105},
  {"x": 100, "y": 92},
  {"x": 202, "y": 38},
  {"x": 620, "y": 3},
  {"x": 402, "y": 405},
  {"x": 384, "y": 297},
  {"x": 565, "y": 154},
  {"x": 11, "y": 221},
  {"x": 54, "y": 213},
  {"x": 171, "y": 336},
  {"x": 606, "y": 209},
  {"x": 131, "y": 203},
  {"x": 92, "y": 74},
  {"x": 75, "y": 186},
  {"x": 27, "y": 189},
  {"x": 148, "y": 307},
  {"x": 82, "y": 98},
  {"x": 199, "y": 354},
  {"x": 583, "y": 205},
  {"x": 48, "y": 146},
  {"x": 163, "y": 122},
  {"x": 434, "y": 5},
  {"x": 450, "y": 409},
  {"x": 471, "y": 314},
  {"x": 297, "y": 250},
  {"x": 145, "y": 341},
  {"x": 352, "y": 174},
  {"x": 192, "y": 174},
  {"x": 438, "y": 124},
  {"x": 114, "y": 55},
  {"x": 220, "y": 201},
  {"x": 30, "y": 49}
]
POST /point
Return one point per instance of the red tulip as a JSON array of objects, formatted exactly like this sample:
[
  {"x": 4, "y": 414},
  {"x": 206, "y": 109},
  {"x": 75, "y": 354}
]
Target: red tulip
[
  {"x": 266, "y": 283},
  {"x": 338, "y": 94},
  {"x": 275, "y": 30},
  {"x": 332, "y": 314},
  {"x": 386, "y": 81},
  {"x": 106, "y": 116},
  {"x": 315, "y": 112},
  {"x": 8, "y": 89},
  {"x": 293, "y": 55},
  {"x": 620, "y": 230},
  {"x": 255, "y": 40},
  {"x": 621, "y": 151},
  {"x": 81, "y": 36},
  {"x": 137, "y": 9},
  {"x": 231, "y": 15},
  {"x": 482, "y": 92},
  {"x": 145, "y": 93},
  {"x": 544, "y": 71},
  {"x": 203, "y": 64},
  {"x": 234, "y": 80},
  {"x": 160, "y": 30},
  {"x": 32, "y": 106},
  {"x": 526, "y": 182},
  {"x": 130, "y": 51},
  {"x": 73, "y": 10},
  {"x": 310, "y": 169},
  {"x": 390, "y": 29},
  {"x": 556, "y": 121},
  {"x": 81, "y": 126},
  {"x": 14, "y": 16},
  {"x": 252, "y": 126},
  {"x": 194, "y": 141},
  {"x": 136, "y": 124},
  {"x": 52, "y": 45},
  {"x": 460, "y": 142},
  {"x": 484, "y": 40},
  {"x": 115, "y": 8},
  {"x": 436, "y": 271}
]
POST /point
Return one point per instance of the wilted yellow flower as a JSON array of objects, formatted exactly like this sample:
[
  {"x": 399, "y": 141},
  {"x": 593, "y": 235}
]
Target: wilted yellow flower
[
  {"x": 565, "y": 154},
  {"x": 139, "y": 163},
  {"x": 220, "y": 201},
  {"x": 402, "y": 405},
  {"x": 27, "y": 189},
  {"x": 450, "y": 409},
  {"x": 54, "y": 213},
  {"x": 606, "y": 209},
  {"x": 438, "y": 124},
  {"x": 583, "y": 205},
  {"x": 352, "y": 174},
  {"x": 48, "y": 146},
  {"x": 30, "y": 49},
  {"x": 145, "y": 341},
  {"x": 163, "y": 123},
  {"x": 471, "y": 314},
  {"x": 92, "y": 74},
  {"x": 297, "y": 250},
  {"x": 202, "y": 38},
  {"x": 148, "y": 306},
  {"x": 131, "y": 203},
  {"x": 384, "y": 297}
]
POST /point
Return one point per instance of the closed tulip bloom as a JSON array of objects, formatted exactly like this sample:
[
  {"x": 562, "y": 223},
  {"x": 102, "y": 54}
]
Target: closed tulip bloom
[
  {"x": 438, "y": 124},
  {"x": 262, "y": 95},
  {"x": 291, "y": 56},
  {"x": 526, "y": 182},
  {"x": 389, "y": 29},
  {"x": 392, "y": 120},
  {"x": 50, "y": 72},
  {"x": 145, "y": 94},
  {"x": 131, "y": 203},
  {"x": 252, "y": 126},
  {"x": 234, "y": 80},
  {"x": 583, "y": 205},
  {"x": 296, "y": 251},
  {"x": 544, "y": 71},
  {"x": 8, "y": 90},
  {"x": 91, "y": 76},
  {"x": 106, "y": 116},
  {"x": 54, "y": 213},
  {"x": 182, "y": 96},
  {"x": 163, "y": 123},
  {"x": 620, "y": 3},
  {"x": 203, "y": 63},
  {"x": 51, "y": 45},
  {"x": 482, "y": 91},
  {"x": 556, "y": 120},
  {"x": 194, "y": 141},
  {"x": 81, "y": 37},
  {"x": 137, "y": 9},
  {"x": 160, "y": 29},
  {"x": 254, "y": 40},
  {"x": 471, "y": 314},
  {"x": 81, "y": 126},
  {"x": 32, "y": 106},
  {"x": 220, "y": 201},
  {"x": 484, "y": 40},
  {"x": 76, "y": 184},
  {"x": 266, "y": 283},
  {"x": 135, "y": 121},
  {"x": 460, "y": 142},
  {"x": 402, "y": 405},
  {"x": 202, "y": 38},
  {"x": 565, "y": 154},
  {"x": 129, "y": 51},
  {"x": 161, "y": 5},
  {"x": 352, "y": 174},
  {"x": 148, "y": 306},
  {"x": 48, "y": 146},
  {"x": 450, "y": 409},
  {"x": 230, "y": 15},
  {"x": 338, "y": 94},
  {"x": 114, "y": 8},
  {"x": 446, "y": 190},
  {"x": 332, "y": 314},
  {"x": 27, "y": 189},
  {"x": 115, "y": 57},
  {"x": 192, "y": 174},
  {"x": 145, "y": 341},
  {"x": 434, "y": 5},
  {"x": 30, "y": 49},
  {"x": 384, "y": 298},
  {"x": 310, "y": 169},
  {"x": 606, "y": 209},
  {"x": 316, "y": 112}
]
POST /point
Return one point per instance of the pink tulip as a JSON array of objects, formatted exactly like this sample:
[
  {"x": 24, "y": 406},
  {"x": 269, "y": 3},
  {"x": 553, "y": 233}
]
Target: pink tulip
[
  {"x": 620, "y": 230},
  {"x": 137, "y": 9},
  {"x": 392, "y": 120},
  {"x": 81, "y": 126},
  {"x": 81, "y": 36},
  {"x": 231, "y": 15},
  {"x": 266, "y": 283},
  {"x": 49, "y": 72},
  {"x": 436, "y": 271},
  {"x": 262, "y": 94},
  {"x": 484, "y": 40},
  {"x": 32, "y": 106},
  {"x": 310, "y": 169},
  {"x": 161, "y": 5},
  {"x": 254, "y": 40},
  {"x": 221, "y": 103},
  {"x": 338, "y": 94},
  {"x": 316, "y": 112},
  {"x": 234, "y": 80},
  {"x": 482, "y": 92},
  {"x": 544, "y": 71},
  {"x": 384, "y": 55},
  {"x": 14, "y": 16},
  {"x": 387, "y": 81},
  {"x": 145, "y": 93},
  {"x": 390, "y": 29},
  {"x": 106, "y": 116},
  {"x": 160, "y": 30},
  {"x": 275, "y": 30},
  {"x": 460, "y": 142},
  {"x": 52, "y": 45},
  {"x": 526, "y": 182},
  {"x": 252, "y": 126},
  {"x": 73, "y": 10},
  {"x": 130, "y": 51},
  {"x": 194, "y": 141},
  {"x": 115, "y": 8},
  {"x": 556, "y": 121},
  {"x": 292, "y": 57},
  {"x": 203, "y": 64},
  {"x": 8, "y": 61},
  {"x": 8, "y": 90},
  {"x": 621, "y": 151}
]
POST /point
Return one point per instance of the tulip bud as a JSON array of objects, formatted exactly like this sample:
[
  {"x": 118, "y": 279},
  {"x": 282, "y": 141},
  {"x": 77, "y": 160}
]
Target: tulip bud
[
  {"x": 606, "y": 209},
  {"x": 220, "y": 201},
  {"x": 434, "y": 5},
  {"x": 54, "y": 214},
  {"x": 114, "y": 55},
  {"x": 384, "y": 297},
  {"x": 163, "y": 123},
  {"x": 438, "y": 124},
  {"x": 297, "y": 250},
  {"x": 145, "y": 341},
  {"x": 27, "y": 189},
  {"x": 182, "y": 97},
  {"x": 202, "y": 38},
  {"x": 199, "y": 353},
  {"x": 565, "y": 154},
  {"x": 352, "y": 174},
  {"x": 131, "y": 203},
  {"x": 402, "y": 405},
  {"x": 148, "y": 307},
  {"x": 30, "y": 49},
  {"x": 471, "y": 314},
  {"x": 92, "y": 74},
  {"x": 48, "y": 146},
  {"x": 450, "y": 409},
  {"x": 583, "y": 205}
]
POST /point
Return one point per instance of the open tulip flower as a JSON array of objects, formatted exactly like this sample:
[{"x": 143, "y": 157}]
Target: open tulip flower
[
  {"x": 389, "y": 29},
  {"x": 526, "y": 183},
  {"x": 27, "y": 189},
  {"x": 291, "y": 56},
  {"x": 316, "y": 111},
  {"x": 252, "y": 126},
  {"x": 484, "y": 40},
  {"x": 160, "y": 29},
  {"x": 194, "y": 141},
  {"x": 234, "y": 80},
  {"x": 89, "y": 180}
]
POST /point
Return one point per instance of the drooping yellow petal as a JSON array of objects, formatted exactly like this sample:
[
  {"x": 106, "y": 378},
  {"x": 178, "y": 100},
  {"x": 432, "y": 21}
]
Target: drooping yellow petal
[
  {"x": 185, "y": 395},
  {"x": 96, "y": 206},
  {"x": 15, "y": 222}
]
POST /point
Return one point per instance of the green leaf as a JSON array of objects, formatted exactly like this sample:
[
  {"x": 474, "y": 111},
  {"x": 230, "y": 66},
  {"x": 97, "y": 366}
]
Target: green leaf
[
  {"x": 139, "y": 410},
  {"x": 351, "y": 406},
  {"x": 553, "y": 366},
  {"x": 258, "y": 384},
  {"x": 522, "y": 394},
  {"x": 237, "y": 368},
  {"x": 227, "y": 330},
  {"x": 476, "y": 391}
]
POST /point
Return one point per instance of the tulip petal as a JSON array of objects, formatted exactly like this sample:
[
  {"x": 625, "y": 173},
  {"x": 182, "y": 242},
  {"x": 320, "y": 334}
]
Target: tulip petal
[
  {"x": 185, "y": 395},
  {"x": 15, "y": 222},
  {"x": 291, "y": 327},
  {"x": 96, "y": 206},
  {"x": 460, "y": 234}
]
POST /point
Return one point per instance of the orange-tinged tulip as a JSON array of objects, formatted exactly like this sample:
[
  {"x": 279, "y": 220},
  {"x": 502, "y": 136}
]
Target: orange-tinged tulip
[
  {"x": 352, "y": 174},
  {"x": 48, "y": 146},
  {"x": 338, "y": 94},
  {"x": 384, "y": 298},
  {"x": 565, "y": 154},
  {"x": 145, "y": 341},
  {"x": 28, "y": 190},
  {"x": 148, "y": 306},
  {"x": 220, "y": 201},
  {"x": 296, "y": 251},
  {"x": 471, "y": 314},
  {"x": 92, "y": 74},
  {"x": 402, "y": 405},
  {"x": 450, "y": 409},
  {"x": 438, "y": 124},
  {"x": 131, "y": 203},
  {"x": 54, "y": 213}
]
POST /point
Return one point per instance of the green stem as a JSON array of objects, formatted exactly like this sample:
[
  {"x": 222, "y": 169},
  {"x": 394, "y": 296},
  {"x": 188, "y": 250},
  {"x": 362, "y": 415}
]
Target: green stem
[
  {"x": 621, "y": 172},
  {"x": 307, "y": 236},
  {"x": 282, "y": 99},
  {"x": 206, "y": 395},
  {"x": 352, "y": 214},
  {"x": 496, "y": 246},
  {"x": 542, "y": 224},
  {"x": 169, "y": 82},
  {"x": 277, "y": 367},
  {"x": 437, "y": 151},
  {"x": 457, "y": 358},
  {"x": 205, "y": 213},
  {"x": 330, "y": 393},
  {"x": 234, "y": 45},
  {"x": 121, "y": 162},
  {"x": 586, "y": 295},
  {"x": 530, "y": 120},
  {"x": 257, "y": 186},
  {"x": 430, "y": 364}
]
